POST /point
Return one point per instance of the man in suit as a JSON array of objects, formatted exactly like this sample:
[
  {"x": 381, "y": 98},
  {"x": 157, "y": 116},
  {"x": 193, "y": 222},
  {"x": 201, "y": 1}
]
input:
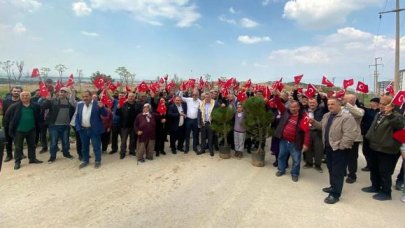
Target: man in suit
[
  {"x": 22, "y": 119},
  {"x": 204, "y": 121},
  {"x": 176, "y": 114},
  {"x": 90, "y": 126}
]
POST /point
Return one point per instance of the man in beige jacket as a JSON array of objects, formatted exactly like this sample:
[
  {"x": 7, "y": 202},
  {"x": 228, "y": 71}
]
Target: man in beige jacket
[{"x": 339, "y": 132}]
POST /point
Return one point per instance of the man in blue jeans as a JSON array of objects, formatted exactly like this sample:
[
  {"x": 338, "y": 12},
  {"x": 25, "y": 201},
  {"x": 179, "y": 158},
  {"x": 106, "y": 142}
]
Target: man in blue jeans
[
  {"x": 61, "y": 110},
  {"x": 293, "y": 140},
  {"x": 89, "y": 125}
]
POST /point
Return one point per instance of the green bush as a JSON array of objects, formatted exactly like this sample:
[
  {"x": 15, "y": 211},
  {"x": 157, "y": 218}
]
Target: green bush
[{"x": 222, "y": 121}]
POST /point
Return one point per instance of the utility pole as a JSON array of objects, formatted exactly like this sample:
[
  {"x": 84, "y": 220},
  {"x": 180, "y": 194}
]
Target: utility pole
[
  {"x": 397, "y": 43},
  {"x": 375, "y": 65}
]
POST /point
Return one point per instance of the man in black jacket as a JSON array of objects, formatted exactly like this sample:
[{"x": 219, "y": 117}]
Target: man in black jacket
[
  {"x": 15, "y": 97},
  {"x": 127, "y": 114},
  {"x": 22, "y": 119},
  {"x": 176, "y": 114}
]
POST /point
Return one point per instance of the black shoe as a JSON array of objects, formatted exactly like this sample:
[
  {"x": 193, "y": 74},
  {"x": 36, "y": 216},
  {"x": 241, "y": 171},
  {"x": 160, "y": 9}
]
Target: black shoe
[
  {"x": 294, "y": 178},
  {"x": 249, "y": 151},
  {"x": 69, "y": 156},
  {"x": 8, "y": 158},
  {"x": 162, "y": 152},
  {"x": 17, "y": 166},
  {"x": 80, "y": 158},
  {"x": 370, "y": 189},
  {"x": 399, "y": 185},
  {"x": 201, "y": 152},
  {"x": 35, "y": 161},
  {"x": 112, "y": 152},
  {"x": 327, "y": 189},
  {"x": 275, "y": 164},
  {"x": 323, "y": 160},
  {"x": 174, "y": 151},
  {"x": 132, "y": 153},
  {"x": 44, "y": 150},
  {"x": 186, "y": 151},
  {"x": 122, "y": 156},
  {"x": 307, "y": 166},
  {"x": 157, "y": 154},
  {"x": 180, "y": 149},
  {"x": 212, "y": 153},
  {"x": 23, "y": 156},
  {"x": 84, "y": 164},
  {"x": 97, "y": 165},
  {"x": 350, "y": 180},
  {"x": 51, "y": 160},
  {"x": 382, "y": 197},
  {"x": 279, "y": 173},
  {"x": 331, "y": 199},
  {"x": 319, "y": 169},
  {"x": 365, "y": 169},
  {"x": 142, "y": 160},
  {"x": 149, "y": 158},
  {"x": 216, "y": 148}
]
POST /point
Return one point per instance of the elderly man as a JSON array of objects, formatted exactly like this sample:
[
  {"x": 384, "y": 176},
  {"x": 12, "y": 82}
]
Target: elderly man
[
  {"x": 176, "y": 115},
  {"x": 191, "y": 124},
  {"x": 61, "y": 110},
  {"x": 23, "y": 120},
  {"x": 90, "y": 127},
  {"x": 15, "y": 97},
  {"x": 204, "y": 121},
  {"x": 339, "y": 131},
  {"x": 357, "y": 113},
  {"x": 127, "y": 114}
]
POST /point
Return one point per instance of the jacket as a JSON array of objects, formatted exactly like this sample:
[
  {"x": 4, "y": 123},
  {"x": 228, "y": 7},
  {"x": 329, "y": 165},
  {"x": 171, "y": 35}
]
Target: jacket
[
  {"x": 13, "y": 116},
  {"x": 342, "y": 133},
  {"x": 173, "y": 116},
  {"x": 300, "y": 135},
  {"x": 54, "y": 107},
  {"x": 357, "y": 114},
  {"x": 380, "y": 135},
  {"x": 96, "y": 123},
  {"x": 201, "y": 111}
]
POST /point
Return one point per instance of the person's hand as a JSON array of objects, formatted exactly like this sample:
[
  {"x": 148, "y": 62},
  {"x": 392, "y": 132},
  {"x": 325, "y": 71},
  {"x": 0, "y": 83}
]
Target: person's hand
[
  {"x": 48, "y": 97},
  {"x": 163, "y": 120},
  {"x": 223, "y": 105},
  {"x": 139, "y": 132},
  {"x": 304, "y": 149},
  {"x": 108, "y": 129},
  {"x": 311, "y": 120},
  {"x": 100, "y": 104}
]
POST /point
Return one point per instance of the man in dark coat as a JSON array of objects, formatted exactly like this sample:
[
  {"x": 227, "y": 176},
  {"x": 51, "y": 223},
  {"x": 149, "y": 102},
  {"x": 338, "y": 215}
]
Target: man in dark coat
[{"x": 176, "y": 114}]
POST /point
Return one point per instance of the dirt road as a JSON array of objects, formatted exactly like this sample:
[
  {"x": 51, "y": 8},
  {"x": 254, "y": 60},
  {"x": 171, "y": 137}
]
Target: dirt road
[{"x": 182, "y": 191}]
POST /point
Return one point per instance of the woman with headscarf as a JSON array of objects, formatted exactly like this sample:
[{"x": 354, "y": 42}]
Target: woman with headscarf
[{"x": 145, "y": 128}]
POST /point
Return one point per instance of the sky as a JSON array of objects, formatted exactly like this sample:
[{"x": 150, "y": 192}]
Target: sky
[{"x": 258, "y": 39}]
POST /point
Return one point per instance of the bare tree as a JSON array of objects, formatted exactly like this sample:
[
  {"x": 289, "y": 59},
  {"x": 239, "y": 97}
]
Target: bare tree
[
  {"x": 207, "y": 77},
  {"x": 20, "y": 68},
  {"x": 45, "y": 72},
  {"x": 6, "y": 66},
  {"x": 60, "y": 68},
  {"x": 79, "y": 75},
  {"x": 125, "y": 76}
]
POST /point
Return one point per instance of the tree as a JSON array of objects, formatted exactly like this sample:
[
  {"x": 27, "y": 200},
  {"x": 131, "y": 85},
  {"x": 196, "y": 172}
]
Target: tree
[
  {"x": 126, "y": 77},
  {"x": 20, "y": 68},
  {"x": 222, "y": 124},
  {"x": 6, "y": 66},
  {"x": 45, "y": 72},
  {"x": 60, "y": 68},
  {"x": 99, "y": 74}
]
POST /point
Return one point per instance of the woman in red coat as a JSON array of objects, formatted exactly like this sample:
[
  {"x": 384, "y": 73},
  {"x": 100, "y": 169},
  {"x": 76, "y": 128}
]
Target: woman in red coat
[{"x": 145, "y": 128}]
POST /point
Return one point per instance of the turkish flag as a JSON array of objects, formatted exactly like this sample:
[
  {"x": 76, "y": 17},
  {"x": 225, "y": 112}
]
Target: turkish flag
[
  {"x": 161, "y": 108},
  {"x": 340, "y": 94},
  {"x": 154, "y": 87},
  {"x": 111, "y": 86},
  {"x": 304, "y": 124},
  {"x": 43, "y": 91},
  {"x": 248, "y": 84},
  {"x": 142, "y": 87},
  {"x": 220, "y": 82},
  {"x": 390, "y": 89},
  {"x": 35, "y": 73},
  {"x": 236, "y": 87},
  {"x": 347, "y": 83},
  {"x": 242, "y": 96},
  {"x": 311, "y": 90},
  {"x": 170, "y": 86},
  {"x": 70, "y": 81},
  {"x": 299, "y": 90},
  {"x": 330, "y": 94},
  {"x": 161, "y": 80},
  {"x": 128, "y": 89},
  {"x": 191, "y": 83},
  {"x": 278, "y": 85},
  {"x": 122, "y": 101},
  {"x": 228, "y": 83},
  {"x": 271, "y": 103},
  {"x": 266, "y": 92},
  {"x": 399, "y": 135},
  {"x": 297, "y": 79},
  {"x": 224, "y": 92},
  {"x": 399, "y": 98},
  {"x": 99, "y": 82},
  {"x": 326, "y": 82},
  {"x": 166, "y": 77},
  {"x": 58, "y": 86},
  {"x": 183, "y": 86},
  {"x": 201, "y": 83},
  {"x": 362, "y": 87},
  {"x": 105, "y": 99}
]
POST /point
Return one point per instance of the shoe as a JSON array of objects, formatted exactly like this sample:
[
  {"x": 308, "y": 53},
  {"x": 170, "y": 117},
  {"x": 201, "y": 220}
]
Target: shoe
[
  {"x": 275, "y": 164},
  {"x": 132, "y": 153},
  {"x": 201, "y": 152},
  {"x": 80, "y": 158},
  {"x": 370, "y": 189},
  {"x": 162, "y": 152},
  {"x": 69, "y": 157},
  {"x": 142, "y": 160},
  {"x": 350, "y": 180},
  {"x": 122, "y": 156},
  {"x": 323, "y": 160},
  {"x": 84, "y": 164},
  {"x": 403, "y": 198},
  {"x": 186, "y": 151},
  {"x": 327, "y": 189},
  {"x": 149, "y": 158},
  {"x": 319, "y": 169},
  {"x": 212, "y": 153},
  {"x": 97, "y": 165},
  {"x": 279, "y": 173},
  {"x": 104, "y": 151},
  {"x": 365, "y": 169},
  {"x": 43, "y": 151},
  {"x": 307, "y": 166},
  {"x": 23, "y": 156},
  {"x": 248, "y": 150},
  {"x": 35, "y": 161},
  {"x": 331, "y": 200},
  {"x": 157, "y": 154},
  {"x": 294, "y": 178},
  {"x": 17, "y": 166},
  {"x": 8, "y": 158},
  {"x": 382, "y": 197},
  {"x": 174, "y": 151},
  {"x": 51, "y": 160},
  {"x": 112, "y": 152},
  {"x": 180, "y": 149},
  {"x": 216, "y": 148},
  {"x": 399, "y": 185}
]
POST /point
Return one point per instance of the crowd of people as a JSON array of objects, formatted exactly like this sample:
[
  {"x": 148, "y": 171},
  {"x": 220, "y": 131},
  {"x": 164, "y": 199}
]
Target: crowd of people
[{"x": 145, "y": 121}]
